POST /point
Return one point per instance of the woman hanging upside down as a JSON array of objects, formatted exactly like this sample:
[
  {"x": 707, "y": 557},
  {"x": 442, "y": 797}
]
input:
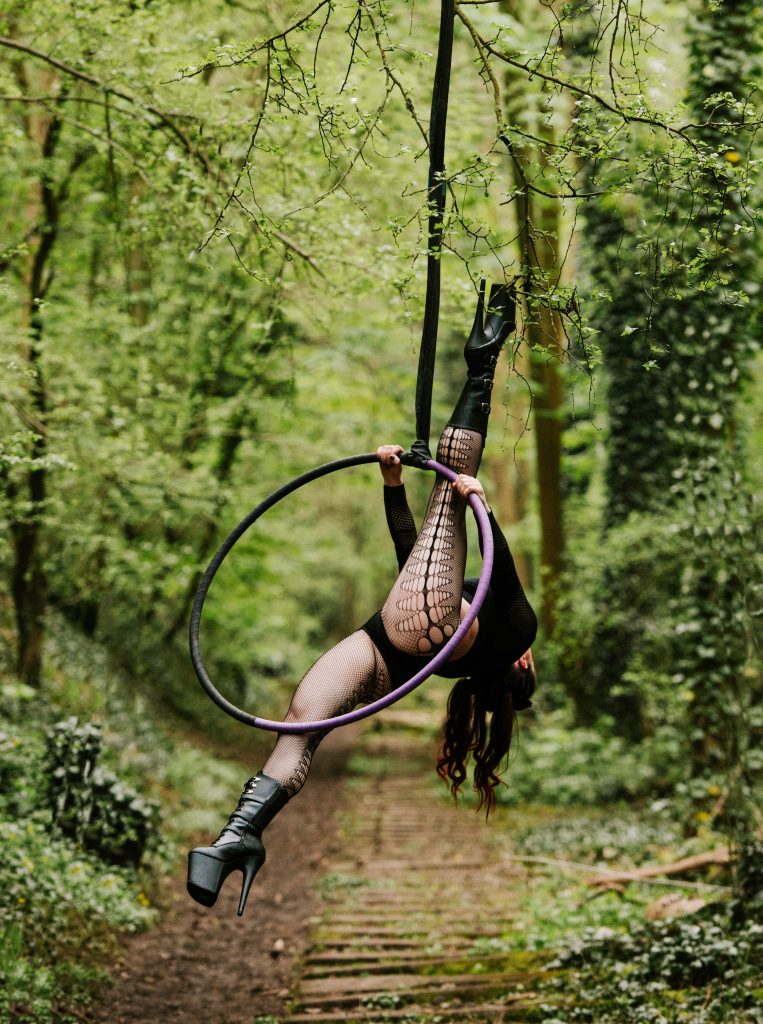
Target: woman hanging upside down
[{"x": 493, "y": 662}]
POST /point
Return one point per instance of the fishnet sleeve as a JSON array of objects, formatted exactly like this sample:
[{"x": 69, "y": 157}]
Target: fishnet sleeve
[
  {"x": 402, "y": 528},
  {"x": 510, "y": 597}
]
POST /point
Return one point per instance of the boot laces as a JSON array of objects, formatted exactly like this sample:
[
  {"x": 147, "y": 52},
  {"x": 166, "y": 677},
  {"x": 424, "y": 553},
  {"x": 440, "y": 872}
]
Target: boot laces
[{"x": 238, "y": 822}]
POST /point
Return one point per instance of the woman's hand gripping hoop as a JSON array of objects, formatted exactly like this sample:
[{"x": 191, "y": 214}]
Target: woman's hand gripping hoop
[{"x": 431, "y": 667}]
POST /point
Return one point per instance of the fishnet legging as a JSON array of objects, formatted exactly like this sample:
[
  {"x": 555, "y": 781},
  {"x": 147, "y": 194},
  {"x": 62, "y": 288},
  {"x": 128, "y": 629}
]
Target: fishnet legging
[
  {"x": 424, "y": 606},
  {"x": 419, "y": 615},
  {"x": 349, "y": 674}
]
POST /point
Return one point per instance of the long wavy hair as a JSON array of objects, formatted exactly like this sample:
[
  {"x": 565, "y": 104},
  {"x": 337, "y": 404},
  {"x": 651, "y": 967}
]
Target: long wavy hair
[{"x": 467, "y": 733}]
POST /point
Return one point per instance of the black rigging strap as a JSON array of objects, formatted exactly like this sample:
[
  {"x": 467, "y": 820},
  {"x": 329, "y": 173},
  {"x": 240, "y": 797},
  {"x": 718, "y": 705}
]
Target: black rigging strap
[{"x": 436, "y": 198}]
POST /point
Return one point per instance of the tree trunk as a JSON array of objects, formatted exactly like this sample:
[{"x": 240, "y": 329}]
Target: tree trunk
[
  {"x": 228, "y": 446},
  {"x": 28, "y": 582},
  {"x": 509, "y": 470},
  {"x": 539, "y": 230},
  {"x": 548, "y": 403}
]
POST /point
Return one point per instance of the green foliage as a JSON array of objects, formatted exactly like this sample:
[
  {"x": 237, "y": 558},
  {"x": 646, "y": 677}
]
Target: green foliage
[
  {"x": 604, "y": 836},
  {"x": 20, "y": 762},
  {"x": 749, "y": 879},
  {"x": 57, "y": 898},
  {"x": 202, "y": 784},
  {"x": 605, "y": 964},
  {"x": 212, "y": 279},
  {"x": 714, "y": 648},
  {"x": 562, "y": 766},
  {"x": 27, "y": 989},
  {"x": 60, "y": 895},
  {"x": 682, "y": 301},
  {"x": 669, "y": 625},
  {"x": 64, "y": 902},
  {"x": 57, "y": 901}
]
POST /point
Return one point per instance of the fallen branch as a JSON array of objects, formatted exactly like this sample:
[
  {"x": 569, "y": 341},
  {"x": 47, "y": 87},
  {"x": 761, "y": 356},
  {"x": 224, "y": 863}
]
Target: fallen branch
[
  {"x": 652, "y": 871},
  {"x": 606, "y": 876}
]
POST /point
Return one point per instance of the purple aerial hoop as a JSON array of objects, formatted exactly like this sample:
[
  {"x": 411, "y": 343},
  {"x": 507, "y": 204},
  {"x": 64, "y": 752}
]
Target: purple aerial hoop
[{"x": 431, "y": 666}]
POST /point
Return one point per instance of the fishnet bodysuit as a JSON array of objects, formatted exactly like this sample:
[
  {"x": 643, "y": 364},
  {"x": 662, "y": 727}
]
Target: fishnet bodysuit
[{"x": 421, "y": 612}]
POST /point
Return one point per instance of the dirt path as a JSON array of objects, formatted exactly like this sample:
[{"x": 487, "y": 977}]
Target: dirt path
[{"x": 212, "y": 966}]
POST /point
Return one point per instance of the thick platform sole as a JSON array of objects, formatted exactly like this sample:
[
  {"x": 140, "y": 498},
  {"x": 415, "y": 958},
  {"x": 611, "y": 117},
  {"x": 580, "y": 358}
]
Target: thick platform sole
[{"x": 208, "y": 869}]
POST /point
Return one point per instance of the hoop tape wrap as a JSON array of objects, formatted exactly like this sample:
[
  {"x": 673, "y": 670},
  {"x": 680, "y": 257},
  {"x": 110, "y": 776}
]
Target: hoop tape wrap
[{"x": 427, "y": 670}]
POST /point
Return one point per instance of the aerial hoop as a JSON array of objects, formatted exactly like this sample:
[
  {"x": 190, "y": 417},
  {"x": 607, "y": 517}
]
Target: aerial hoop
[{"x": 431, "y": 667}]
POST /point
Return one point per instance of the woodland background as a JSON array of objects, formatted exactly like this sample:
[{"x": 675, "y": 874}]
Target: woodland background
[{"x": 213, "y": 258}]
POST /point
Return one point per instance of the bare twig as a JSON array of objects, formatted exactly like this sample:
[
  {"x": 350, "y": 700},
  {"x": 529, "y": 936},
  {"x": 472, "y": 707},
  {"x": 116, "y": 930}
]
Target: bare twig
[
  {"x": 244, "y": 163},
  {"x": 394, "y": 78},
  {"x": 112, "y": 144},
  {"x": 578, "y": 90},
  {"x": 248, "y": 54},
  {"x": 700, "y": 860}
]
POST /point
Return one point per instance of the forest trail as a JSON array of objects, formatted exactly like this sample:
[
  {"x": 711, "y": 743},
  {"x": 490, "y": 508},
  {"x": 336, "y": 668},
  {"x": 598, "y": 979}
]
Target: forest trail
[
  {"x": 417, "y": 908},
  {"x": 378, "y": 902}
]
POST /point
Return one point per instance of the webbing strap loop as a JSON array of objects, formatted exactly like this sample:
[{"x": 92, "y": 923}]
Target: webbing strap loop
[{"x": 436, "y": 199}]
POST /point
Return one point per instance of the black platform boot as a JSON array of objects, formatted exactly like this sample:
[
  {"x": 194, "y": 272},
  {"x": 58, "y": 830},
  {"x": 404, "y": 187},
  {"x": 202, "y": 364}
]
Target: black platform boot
[
  {"x": 481, "y": 354},
  {"x": 239, "y": 847}
]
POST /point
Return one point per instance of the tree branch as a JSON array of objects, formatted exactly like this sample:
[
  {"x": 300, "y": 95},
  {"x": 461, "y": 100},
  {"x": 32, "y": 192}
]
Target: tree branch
[
  {"x": 266, "y": 43},
  {"x": 244, "y": 163},
  {"x": 578, "y": 90},
  {"x": 394, "y": 79},
  {"x": 84, "y": 76}
]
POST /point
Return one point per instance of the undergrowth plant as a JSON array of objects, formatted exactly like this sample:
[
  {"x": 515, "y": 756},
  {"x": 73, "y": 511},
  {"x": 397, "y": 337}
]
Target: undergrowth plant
[
  {"x": 91, "y": 804},
  {"x": 80, "y": 845},
  {"x": 663, "y": 973},
  {"x": 609, "y": 961}
]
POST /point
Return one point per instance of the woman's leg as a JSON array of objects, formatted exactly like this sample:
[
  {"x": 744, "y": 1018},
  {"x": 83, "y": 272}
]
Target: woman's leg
[
  {"x": 421, "y": 613},
  {"x": 424, "y": 606},
  {"x": 349, "y": 674}
]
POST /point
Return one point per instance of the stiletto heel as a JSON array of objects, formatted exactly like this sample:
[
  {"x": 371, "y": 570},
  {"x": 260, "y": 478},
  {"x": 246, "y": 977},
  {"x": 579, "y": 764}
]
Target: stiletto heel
[
  {"x": 250, "y": 869},
  {"x": 479, "y": 317},
  {"x": 239, "y": 847}
]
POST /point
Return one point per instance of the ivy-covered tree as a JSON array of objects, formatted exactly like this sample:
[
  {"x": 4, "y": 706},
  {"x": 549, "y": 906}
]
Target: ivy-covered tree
[{"x": 677, "y": 334}]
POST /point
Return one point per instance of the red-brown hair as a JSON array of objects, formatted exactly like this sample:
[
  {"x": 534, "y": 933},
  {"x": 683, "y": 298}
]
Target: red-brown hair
[{"x": 466, "y": 732}]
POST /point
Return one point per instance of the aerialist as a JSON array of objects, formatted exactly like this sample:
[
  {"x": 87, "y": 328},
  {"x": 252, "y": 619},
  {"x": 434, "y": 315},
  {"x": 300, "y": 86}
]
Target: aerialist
[{"x": 493, "y": 662}]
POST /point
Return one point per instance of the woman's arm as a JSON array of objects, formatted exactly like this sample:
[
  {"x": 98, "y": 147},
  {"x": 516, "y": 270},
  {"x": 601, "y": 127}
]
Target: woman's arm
[{"x": 402, "y": 527}]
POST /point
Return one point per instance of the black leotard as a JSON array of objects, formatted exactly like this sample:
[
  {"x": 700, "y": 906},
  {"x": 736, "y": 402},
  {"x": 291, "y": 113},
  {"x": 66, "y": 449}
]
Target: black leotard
[{"x": 507, "y": 622}]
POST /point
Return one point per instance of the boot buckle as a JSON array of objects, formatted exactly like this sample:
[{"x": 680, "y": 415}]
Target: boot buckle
[
  {"x": 485, "y": 406},
  {"x": 488, "y": 383}
]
